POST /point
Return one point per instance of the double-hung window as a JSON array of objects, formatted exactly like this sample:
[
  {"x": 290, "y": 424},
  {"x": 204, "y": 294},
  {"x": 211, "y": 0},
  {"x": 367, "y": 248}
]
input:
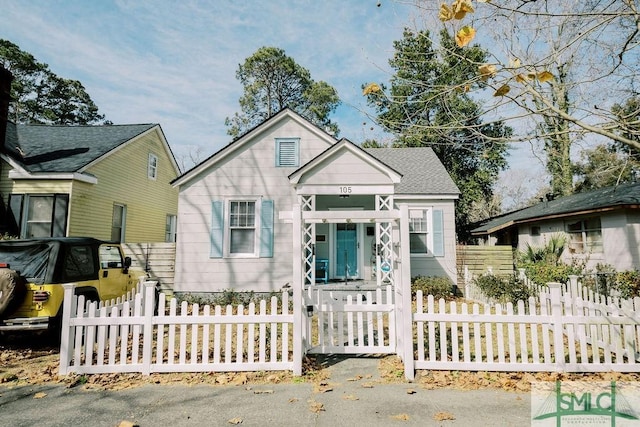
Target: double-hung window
[
  {"x": 152, "y": 166},
  {"x": 242, "y": 228},
  {"x": 426, "y": 232},
  {"x": 38, "y": 215},
  {"x": 585, "y": 236}
]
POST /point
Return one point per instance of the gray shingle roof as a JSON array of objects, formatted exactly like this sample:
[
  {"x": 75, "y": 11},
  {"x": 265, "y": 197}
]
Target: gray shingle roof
[
  {"x": 422, "y": 172},
  {"x": 617, "y": 196},
  {"x": 44, "y": 148}
]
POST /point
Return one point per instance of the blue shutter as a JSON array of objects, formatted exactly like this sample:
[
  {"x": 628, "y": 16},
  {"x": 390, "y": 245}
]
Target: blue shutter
[
  {"x": 438, "y": 233},
  {"x": 217, "y": 228},
  {"x": 266, "y": 229}
]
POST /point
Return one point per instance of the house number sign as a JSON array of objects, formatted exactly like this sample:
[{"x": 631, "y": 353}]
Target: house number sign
[{"x": 346, "y": 190}]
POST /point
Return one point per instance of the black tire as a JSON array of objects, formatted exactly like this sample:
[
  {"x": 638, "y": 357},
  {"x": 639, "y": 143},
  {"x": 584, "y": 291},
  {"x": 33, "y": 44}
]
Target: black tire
[{"x": 12, "y": 291}]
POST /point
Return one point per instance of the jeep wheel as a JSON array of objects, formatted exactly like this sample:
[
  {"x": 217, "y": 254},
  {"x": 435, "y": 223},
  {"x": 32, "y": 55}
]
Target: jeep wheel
[{"x": 12, "y": 291}]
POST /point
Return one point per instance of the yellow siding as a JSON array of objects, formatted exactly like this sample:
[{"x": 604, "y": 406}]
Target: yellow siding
[
  {"x": 122, "y": 178},
  {"x": 30, "y": 186}
]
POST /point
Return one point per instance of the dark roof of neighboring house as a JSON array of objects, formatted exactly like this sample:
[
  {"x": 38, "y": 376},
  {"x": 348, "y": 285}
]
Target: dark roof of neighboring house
[
  {"x": 603, "y": 199},
  {"x": 422, "y": 172},
  {"x": 46, "y": 148}
]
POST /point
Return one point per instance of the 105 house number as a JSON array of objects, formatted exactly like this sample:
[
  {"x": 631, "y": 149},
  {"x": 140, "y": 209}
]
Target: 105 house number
[{"x": 345, "y": 190}]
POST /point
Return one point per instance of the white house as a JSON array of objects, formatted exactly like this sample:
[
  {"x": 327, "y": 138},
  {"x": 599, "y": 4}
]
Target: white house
[{"x": 287, "y": 203}]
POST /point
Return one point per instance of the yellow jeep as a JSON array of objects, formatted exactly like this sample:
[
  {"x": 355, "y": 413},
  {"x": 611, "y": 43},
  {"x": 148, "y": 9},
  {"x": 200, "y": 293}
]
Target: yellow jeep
[{"x": 32, "y": 273}]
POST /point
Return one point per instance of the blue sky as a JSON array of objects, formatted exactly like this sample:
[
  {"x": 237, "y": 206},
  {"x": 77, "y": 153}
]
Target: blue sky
[{"x": 174, "y": 62}]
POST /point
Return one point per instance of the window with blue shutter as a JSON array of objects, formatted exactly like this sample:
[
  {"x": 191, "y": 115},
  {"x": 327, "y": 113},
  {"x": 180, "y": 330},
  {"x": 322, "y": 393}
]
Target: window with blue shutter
[
  {"x": 217, "y": 228},
  {"x": 266, "y": 229},
  {"x": 235, "y": 230},
  {"x": 438, "y": 232},
  {"x": 287, "y": 152}
]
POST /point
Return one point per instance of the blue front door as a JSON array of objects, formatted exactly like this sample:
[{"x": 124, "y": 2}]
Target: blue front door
[{"x": 346, "y": 251}]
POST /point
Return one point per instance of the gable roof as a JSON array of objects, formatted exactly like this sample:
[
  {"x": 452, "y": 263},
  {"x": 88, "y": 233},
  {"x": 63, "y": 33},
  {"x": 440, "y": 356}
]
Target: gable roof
[
  {"x": 67, "y": 149},
  {"x": 239, "y": 142},
  {"x": 603, "y": 199},
  {"x": 346, "y": 145},
  {"x": 422, "y": 171}
]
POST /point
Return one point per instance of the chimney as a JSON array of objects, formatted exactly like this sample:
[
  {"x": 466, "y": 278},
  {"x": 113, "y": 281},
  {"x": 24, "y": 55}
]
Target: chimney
[{"x": 5, "y": 97}]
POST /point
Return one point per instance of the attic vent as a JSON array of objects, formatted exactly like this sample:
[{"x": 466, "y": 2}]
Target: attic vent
[{"x": 287, "y": 152}]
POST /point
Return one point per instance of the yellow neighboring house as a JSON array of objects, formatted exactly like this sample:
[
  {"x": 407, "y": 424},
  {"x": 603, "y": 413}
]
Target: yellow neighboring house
[{"x": 110, "y": 182}]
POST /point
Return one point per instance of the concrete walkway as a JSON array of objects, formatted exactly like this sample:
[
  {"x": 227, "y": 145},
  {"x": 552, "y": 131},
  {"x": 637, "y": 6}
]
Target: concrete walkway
[{"x": 351, "y": 397}]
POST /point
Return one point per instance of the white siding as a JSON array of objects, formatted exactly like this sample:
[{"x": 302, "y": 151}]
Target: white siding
[
  {"x": 251, "y": 171},
  {"x": 346, "y": 167},
  {"x": 438, "y": 266}
]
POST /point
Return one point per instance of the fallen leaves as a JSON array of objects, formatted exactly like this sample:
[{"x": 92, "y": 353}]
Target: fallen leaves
[
  {"x": 443, "y": 416},
  {"x": 315, "y": 407},
  {"x": 235, "y": 421},
  {"x": 322, "y": 387},
  {"x": 39, "y": 395},
  {"x": 401, "y": 417}
]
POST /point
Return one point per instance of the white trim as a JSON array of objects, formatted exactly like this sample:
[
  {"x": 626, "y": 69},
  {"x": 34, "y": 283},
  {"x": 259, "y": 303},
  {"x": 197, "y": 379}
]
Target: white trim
[
  {"x": 429, "y": 232},
  {"x": 155, "y": 128},
  {"x": 240, "y": 142},
  {"x": 226, "y": 232},
  {"x": 13, "y": 163},
  {"x": 350, "y": 215},
  {"x": 433, "y": 196},
  {"x": 345, "y": 144},
  {"x": 152, "y": 166},
  {"x": 123, "y": 218},
  {"x": 74, "y": 176},
  {"x": 356, "y": 189}
]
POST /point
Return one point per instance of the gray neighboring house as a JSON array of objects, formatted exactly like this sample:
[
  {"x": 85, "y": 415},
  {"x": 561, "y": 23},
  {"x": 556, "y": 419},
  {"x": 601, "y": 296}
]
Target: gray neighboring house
[
  {"x": 603, "y": 226},
  {"x": 237, "y": 212}
]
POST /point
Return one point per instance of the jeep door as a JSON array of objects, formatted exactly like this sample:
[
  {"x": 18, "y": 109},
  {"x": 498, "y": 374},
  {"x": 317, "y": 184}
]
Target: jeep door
[{"x": 113, "y": 280}]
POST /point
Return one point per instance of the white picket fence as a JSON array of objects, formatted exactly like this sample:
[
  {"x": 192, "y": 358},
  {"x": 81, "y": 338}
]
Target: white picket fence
[
  {"x": 350, "y": 320},
  {"x": 554, "y": 332},
  {"x": 566, "y": 328},
  {"x": 128, "y": 337}
]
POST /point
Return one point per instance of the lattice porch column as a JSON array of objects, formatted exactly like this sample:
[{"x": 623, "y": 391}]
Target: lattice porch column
[
  {"x": 308, "y": 203},
  {"x": 384, "y": 243}
]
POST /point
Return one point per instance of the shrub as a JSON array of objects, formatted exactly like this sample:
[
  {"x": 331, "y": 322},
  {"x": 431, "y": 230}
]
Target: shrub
[
  {"x": 628, "y": 283},
  {"x": 543, "y": 273},
  {"x": 439, "y": 287},
  {"x": 504, "y": 289},
  {"x": 491, "y": 286}
]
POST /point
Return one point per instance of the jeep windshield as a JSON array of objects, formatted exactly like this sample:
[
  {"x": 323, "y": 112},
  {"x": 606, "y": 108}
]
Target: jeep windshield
[{"x": 29, "y": 260}]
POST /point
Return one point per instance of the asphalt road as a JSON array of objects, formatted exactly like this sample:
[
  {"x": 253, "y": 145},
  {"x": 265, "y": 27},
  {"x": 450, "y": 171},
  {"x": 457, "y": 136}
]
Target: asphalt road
[
  {"x": 351, "y": 397},
  {"x": 350, "y": 404}
]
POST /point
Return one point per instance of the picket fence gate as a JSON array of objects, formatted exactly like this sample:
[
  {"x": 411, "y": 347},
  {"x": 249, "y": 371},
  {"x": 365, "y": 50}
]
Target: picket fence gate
[{"x": 350, "y": 320}]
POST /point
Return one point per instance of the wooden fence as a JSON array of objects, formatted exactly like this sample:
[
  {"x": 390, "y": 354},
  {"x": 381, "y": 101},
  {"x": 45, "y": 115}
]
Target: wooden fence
[
  {"x": 128, "y": 336},
  {"x": 158, "y": 259},
  {"x": 476, "y": 259}
]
